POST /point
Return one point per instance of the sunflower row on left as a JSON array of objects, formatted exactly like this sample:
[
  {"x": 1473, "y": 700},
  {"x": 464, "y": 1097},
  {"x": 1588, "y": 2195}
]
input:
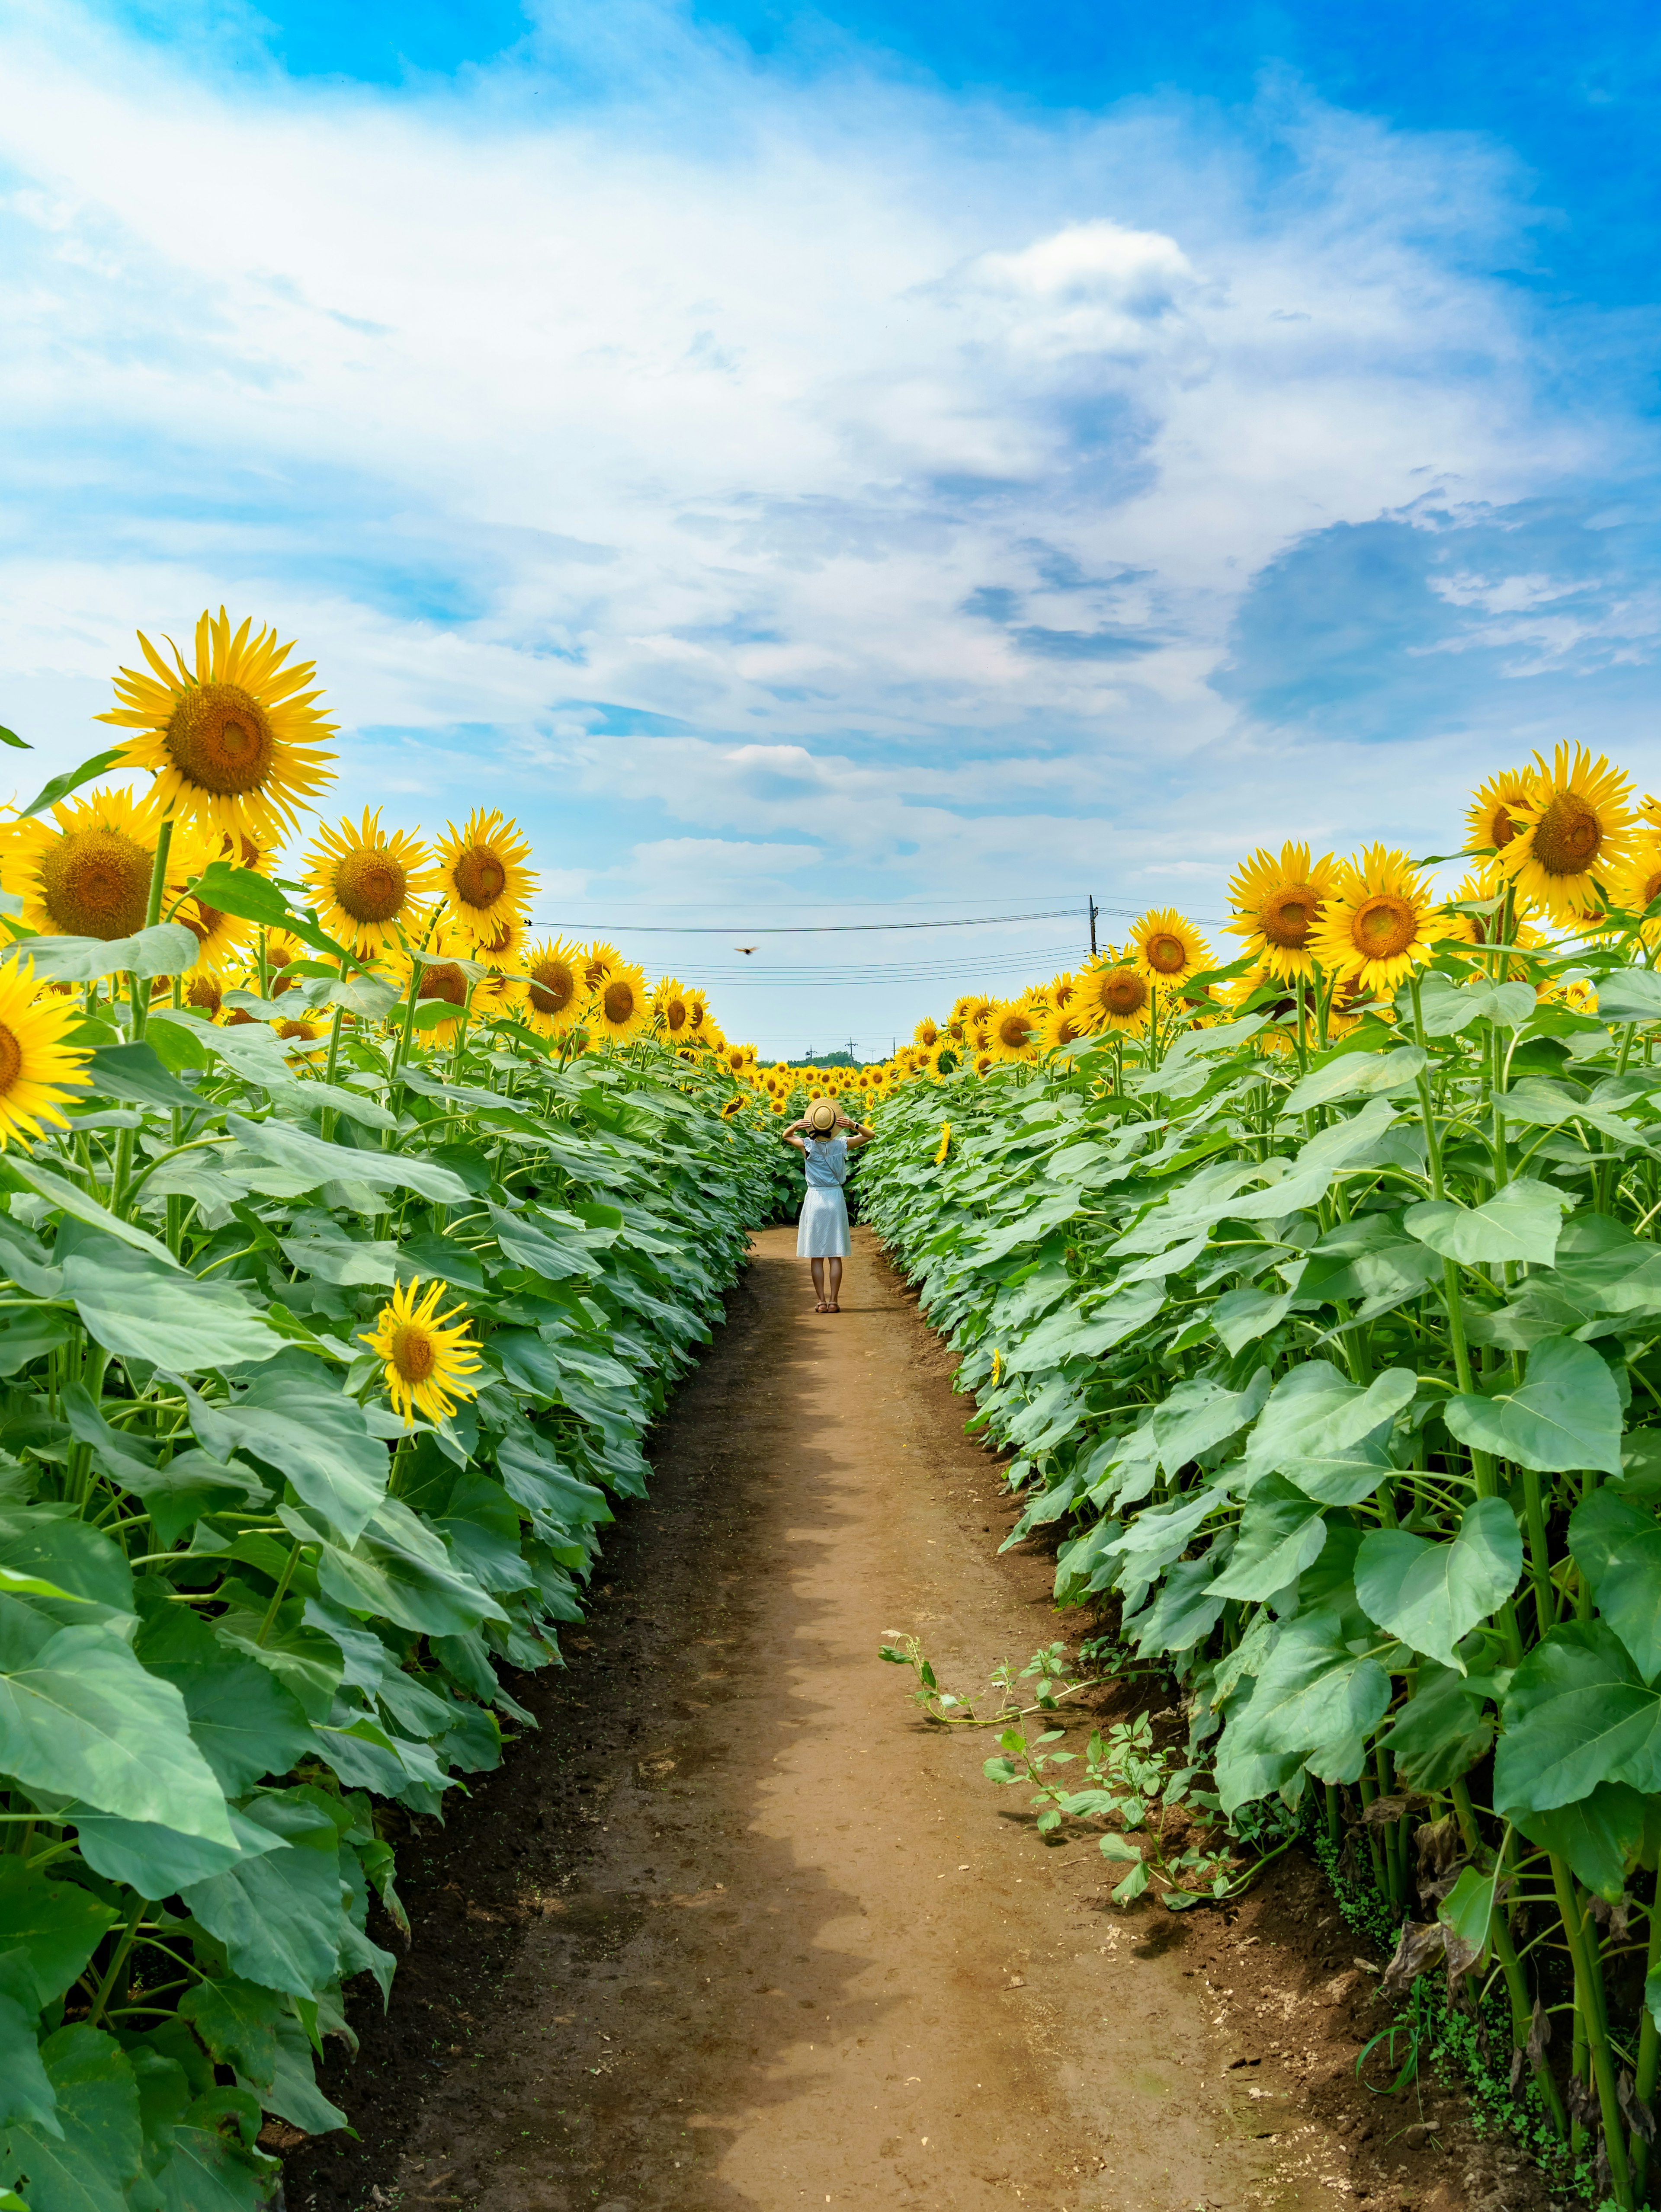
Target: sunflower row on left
[{"x": 323, "y": 1356}]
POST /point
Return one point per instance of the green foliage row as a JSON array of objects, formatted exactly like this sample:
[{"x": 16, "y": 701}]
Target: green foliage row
[
  {"x": 1340, "y": 1372},
  {"x": 242, "y": 1609}
]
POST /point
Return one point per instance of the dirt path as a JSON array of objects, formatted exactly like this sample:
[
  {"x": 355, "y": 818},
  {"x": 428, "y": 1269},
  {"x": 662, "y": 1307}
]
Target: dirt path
[{"x": 737, "y": 1933}]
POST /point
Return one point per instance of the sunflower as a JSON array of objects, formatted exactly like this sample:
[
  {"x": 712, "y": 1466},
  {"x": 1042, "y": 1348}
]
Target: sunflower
[
  {"x": 1381, "y": 921},
  {"x": 945, "y": 1059},
  {"x": 1114, "y": 998},
  {"x": 1573, "y": 831},
  {"x": 598, "y": 961},
  {"x": 235, "y": 744},
  {"x": 983, "y": 1063},
  {"x": 300, "y": 1033},
  {"x": 1351, "y": 1001},
  {"x": 1483, "y": 929},
  {"x": 366, "y": 881},
  {"x": 553, "y": 989},
  {"x": 1167, "y": 946},
  {"x": 37, "y": 1068},
  {"x": 481, "y": 872},
  {"x": 281, "y": 951},
  {"x": 1060, "y": 988},
  {"x": 1496, "y": 815},
  {"x": 443, "y": 979},
  {"x": 671, "y": 1008},
  {"x": 1014, "y": 1030},
  {"x": 928, "y": 1033},
  {"x": 87, "y": 872},
  {"x": 1062, "y": 1026},
  {"x": 697, "y": 1015},
  {"x": 1278, "y": 905},
  {"x": 427, "y": 1365},
  {"x": 206, "y": 992},
  {"x": 620, "y": 1008}
]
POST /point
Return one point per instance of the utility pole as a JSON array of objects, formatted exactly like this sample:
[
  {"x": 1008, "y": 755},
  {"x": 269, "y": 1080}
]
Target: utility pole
[{"x": 1094, "y": 911}]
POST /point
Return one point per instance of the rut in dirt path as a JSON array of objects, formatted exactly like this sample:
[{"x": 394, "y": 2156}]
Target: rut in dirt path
[{"x": 781, "y": 1944}]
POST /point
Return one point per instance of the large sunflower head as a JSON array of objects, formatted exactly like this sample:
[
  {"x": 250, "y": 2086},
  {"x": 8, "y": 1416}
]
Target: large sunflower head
[
  {"x": 1382, "y": 920},
  {"x": 1573, "y": 834},
  {"x": 367, "y": 881},
  {"x": 38, "y": 1069},
  {"x": 86, "y": 872},
  {"x": 1114, "y": 996},
  {"x": 672, "y": 1009},
  {"x": 481, "y": 872},
  {"x": 429, "y": 1365},
  {"x": 554, "y": 993},
  {"x": 1167, "y": 948},
  {"x": 1494, "y": 816},
  {"x": 232, "y": 744},
  {"x": 699, "y": 1020},
  {"x": 1012, "y": 1031},
  {"x": 620, "y": 1007},
  {"x": 1277, "y": 904},
  {"x": 928, "y": 1033},
  {"x": 1060, "y": 989},
  {"x": 1064, "y": 1025},
  {"x": 1638, "y": 881}
]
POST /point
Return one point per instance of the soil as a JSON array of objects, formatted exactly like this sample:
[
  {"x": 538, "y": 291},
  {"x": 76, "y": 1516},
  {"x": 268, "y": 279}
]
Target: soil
[{"x": 736, "y": 1930}]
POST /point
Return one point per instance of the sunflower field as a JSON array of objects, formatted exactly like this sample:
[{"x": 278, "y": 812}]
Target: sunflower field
[
  {"x": 1317, "y": 1297},
  {"x": 342, "y": 1266}
]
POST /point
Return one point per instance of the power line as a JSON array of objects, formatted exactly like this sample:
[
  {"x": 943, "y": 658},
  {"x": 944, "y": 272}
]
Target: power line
[{"x": 802, "y": 928}]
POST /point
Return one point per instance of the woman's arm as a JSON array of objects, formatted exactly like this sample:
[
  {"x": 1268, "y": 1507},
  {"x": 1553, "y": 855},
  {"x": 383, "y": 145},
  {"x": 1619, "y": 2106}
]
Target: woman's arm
[{"x": 859, "y": 1135}]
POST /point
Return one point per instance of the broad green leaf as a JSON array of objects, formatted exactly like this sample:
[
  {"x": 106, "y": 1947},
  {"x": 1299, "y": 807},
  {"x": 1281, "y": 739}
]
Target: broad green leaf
[
  {"x": 412, "y": 1593},
  {"x": 315, "y": 1436},
  {"x": 25, "y": 2091},
  {"x": 1600, "y": 1835},
  {"x": 1281, "y": 1531},
  {"x": 1354, "y": 1075},
  {"x": 136, "y": 1072},
  {"x": 297, "y": 1150},
  {"x": 82, "y": 1716},
  {"x": 1466, "y": 1910},
  {"x": 1315, "y": 1699},
  {"x": 1431, "y": 1595},
  {"x": 1240, "y": 1317},
  {"x": 1448, "y": 1008},
  {"x": 1616, "y": 1544},
  {"x": 1630, "y": 994},
  {"x": 279, "y": 1916},
  {"x": 249, "y": 1049},
  {"x": 154, "y": 1860},
  {"x": 1566, "y": 1416},
  {"x": 50, "y": 1544},
  {"x": 1199, "y": 1415},
  {"x": 1326, "y": 1435},
  {"x": 253, "y": 897},
  {"x": 1441, "y": 1731},
  {"x": 1577, "y": 1713},
  {"x": 237, "y": 2020},
  {"x": 243, "y": 1720},
  {"x": 343, "y": 1260},
  {"x": 206, "y": 2173},
  {"x": 137, "y": 1309},
  {"x": 1520, "y": 1223},
  {"x": 97, "y": 2150},
  {"x": 1184, "y": 1612},
  {"x": 21, "y": 1174},
  {"x": 165, "y": 949},
  {"x": 293, "y": 2094},
  {"x": 71, "y": 779},
  {"x": 54, "y": 1926}
]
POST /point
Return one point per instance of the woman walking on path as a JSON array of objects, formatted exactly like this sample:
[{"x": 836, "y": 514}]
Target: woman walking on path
[{"x": 824, "y": 1137}]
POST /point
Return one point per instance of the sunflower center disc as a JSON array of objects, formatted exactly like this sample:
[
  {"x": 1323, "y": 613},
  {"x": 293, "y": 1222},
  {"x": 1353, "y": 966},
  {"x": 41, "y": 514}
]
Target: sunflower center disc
[
  {"x": 1285, "y": 922},
  {"x": 1125, "y": 994},
  {"x": 1652, "y": 886},
  {"x": 1384, "y": 927},
  {"x": 1013, "y": 1032},
  {"x": 370, "y": 886},
  {"x": 95, "y": 883},
  {"x": 1504, "y": 827},
  {"x": 1567, "y": 836},
  {"x": 445, "y": 982},
  {"x": 480, "y": 877},
  {"x": 205, "y": 994},
  {"x": 1164, "y": 953},
  {"x": 674, "y": 1016},
  {"x": 220, "y": 738},
  {"x": 553, "y": 988},
  {"x": 294, "y": 1029},
  {"x": 412, "y": 1352},
  {"x": 11, "y": 1059}
]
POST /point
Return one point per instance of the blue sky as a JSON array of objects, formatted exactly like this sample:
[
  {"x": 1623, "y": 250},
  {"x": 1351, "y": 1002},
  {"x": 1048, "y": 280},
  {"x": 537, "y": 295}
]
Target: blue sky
[{"x": 808, "y": 461}]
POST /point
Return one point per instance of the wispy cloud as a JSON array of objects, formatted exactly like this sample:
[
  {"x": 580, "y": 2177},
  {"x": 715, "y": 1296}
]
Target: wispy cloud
[{"x": 716, "y": 466}]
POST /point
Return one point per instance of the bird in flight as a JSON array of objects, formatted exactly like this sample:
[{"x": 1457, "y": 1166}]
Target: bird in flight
[{"x": 744, "y": 948}]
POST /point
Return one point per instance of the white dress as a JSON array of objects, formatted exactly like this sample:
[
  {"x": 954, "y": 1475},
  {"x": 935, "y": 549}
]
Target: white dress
[{"x": 822, "y": 1227}]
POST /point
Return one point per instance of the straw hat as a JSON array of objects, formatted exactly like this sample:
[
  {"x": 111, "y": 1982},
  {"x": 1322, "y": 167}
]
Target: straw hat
[{"x": 821, "y": 1116}]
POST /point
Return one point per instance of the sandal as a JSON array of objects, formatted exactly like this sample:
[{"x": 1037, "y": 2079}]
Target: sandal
[
  {"x": 822, "y": 1308},
  {"x": 833, "y": 1307}
]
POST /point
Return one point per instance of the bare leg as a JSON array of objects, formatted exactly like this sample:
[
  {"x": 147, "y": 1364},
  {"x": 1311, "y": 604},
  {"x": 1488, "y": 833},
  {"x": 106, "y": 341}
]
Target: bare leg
[
  {"x": 835, "y": 1266},
  {"x": 818, "y": 1270}
]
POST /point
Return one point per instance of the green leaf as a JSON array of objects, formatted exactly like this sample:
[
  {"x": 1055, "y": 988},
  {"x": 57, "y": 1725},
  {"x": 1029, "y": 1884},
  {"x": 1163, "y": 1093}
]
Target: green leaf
[
  {"x": 1282, "y": 1532},
  {"x": 279, "y": 1916},
  {"x": 1441, "y": 1731},
  {"x": 136, "y": 1072},
  {"x": 135, "y": 1308},
  {"x": 1315, "y": 1699},
  {"x": 237, "y": 2020},
  {"x": 1466, "y": 1910},
  {"x": 154, "y": 1860},
  {"x": 1630, "y": 994},
  {"x": 1325, "y": 1434},
  {"x": 207, "y": 2173},
  {"x": 313, "y": 1434},
  {"x": 1431, "y": 1595},
  {"x": 20, "y": 1174},
  {"x": 25, "y": 2091},
  {"x": 1354, "y": 1075},
  {"x": 50, "y": 1543},
  {"x": 297, "y": 1150},
  {"x": 343, "y": 1260},
  {"x": 53, "y": 1926},
  {"x": 1566, "y": 1416},
  {"x": 72, "y": 779},
  {"x": 11, "y": 738},
  {"x": 98, "y": 2149},
  {"x": 244, "y": 1722},
  {"x": 82, "y": 1716},
  {"x": 1616, "y": 1544},
  {"x": 254, "y": 897},
  {"x": 294, "y": 2094},
  {"x": 412, "y": 1593},
  {"x": 1520, "y": 1223},
  {"x": 168, "y": 949},
  {"x": 1577, "y": 1713},
  {"x": 1600, "y": 1836}
]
